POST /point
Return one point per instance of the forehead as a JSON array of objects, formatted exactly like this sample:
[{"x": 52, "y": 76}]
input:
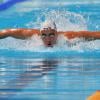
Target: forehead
[{"x": 48, "y": 31}]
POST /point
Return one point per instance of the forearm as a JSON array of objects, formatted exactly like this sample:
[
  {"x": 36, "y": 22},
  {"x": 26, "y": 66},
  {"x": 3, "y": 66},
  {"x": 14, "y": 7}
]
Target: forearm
[
  {"x": 82, "y": 34},
  {"x": 9, "y": 33},
  {"x": 16, "y": 33},
  {"x": 88, "y": 35}
]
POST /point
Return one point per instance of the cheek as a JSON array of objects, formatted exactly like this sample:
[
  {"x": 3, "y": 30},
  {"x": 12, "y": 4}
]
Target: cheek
[
  {"x": 45, "y": 40},
  {"x": 54, "y": 38}
]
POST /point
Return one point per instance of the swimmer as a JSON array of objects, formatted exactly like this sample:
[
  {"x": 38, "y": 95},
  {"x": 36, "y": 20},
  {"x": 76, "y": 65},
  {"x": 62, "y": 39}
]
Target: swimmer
[{"x": 48, "y": 33}]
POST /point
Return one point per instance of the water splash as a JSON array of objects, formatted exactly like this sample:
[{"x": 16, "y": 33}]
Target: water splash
[{"x": 65, "y": 21}]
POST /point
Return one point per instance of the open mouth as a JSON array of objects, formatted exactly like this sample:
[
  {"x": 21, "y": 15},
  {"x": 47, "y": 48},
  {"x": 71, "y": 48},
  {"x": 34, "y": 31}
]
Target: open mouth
[{"x": 49, "y": 45}]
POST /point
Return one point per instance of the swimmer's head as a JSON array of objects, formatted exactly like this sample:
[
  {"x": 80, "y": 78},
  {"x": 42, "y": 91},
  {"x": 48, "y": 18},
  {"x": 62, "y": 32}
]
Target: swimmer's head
[
  {"x": 48, "y": 33},
  {"x": 48, "y": 24}
]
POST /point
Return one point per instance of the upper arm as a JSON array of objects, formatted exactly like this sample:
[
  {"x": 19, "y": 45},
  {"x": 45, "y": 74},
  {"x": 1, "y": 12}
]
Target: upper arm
[{"x": 73, "y": 34}]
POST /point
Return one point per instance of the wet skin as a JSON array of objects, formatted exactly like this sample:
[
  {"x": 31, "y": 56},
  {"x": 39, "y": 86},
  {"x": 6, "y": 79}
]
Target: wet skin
[{"x": 49, "y": 37}]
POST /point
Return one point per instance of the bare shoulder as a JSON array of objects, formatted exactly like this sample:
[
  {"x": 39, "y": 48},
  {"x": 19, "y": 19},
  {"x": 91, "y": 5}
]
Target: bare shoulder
[
  {"x": 69, "y": 34},
  {"x": 74, "y": 34},
  {"x": 29, "y": 32}
]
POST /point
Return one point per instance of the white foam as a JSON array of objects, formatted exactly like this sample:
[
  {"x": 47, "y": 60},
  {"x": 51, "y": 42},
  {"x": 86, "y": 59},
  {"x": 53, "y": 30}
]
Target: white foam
[{"x": 65, "y": 21}]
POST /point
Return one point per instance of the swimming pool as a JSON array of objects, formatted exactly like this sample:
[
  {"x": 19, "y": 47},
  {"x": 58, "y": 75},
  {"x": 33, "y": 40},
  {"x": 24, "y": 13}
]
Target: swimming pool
[{"x": 54, "y": 73}]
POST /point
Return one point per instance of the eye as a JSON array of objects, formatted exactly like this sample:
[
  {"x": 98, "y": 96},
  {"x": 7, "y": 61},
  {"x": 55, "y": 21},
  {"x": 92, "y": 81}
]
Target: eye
[{"x": 43, "y": 35}]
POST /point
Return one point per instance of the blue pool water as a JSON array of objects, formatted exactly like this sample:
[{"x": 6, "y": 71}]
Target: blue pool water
[{"x": 63, "y": 73}]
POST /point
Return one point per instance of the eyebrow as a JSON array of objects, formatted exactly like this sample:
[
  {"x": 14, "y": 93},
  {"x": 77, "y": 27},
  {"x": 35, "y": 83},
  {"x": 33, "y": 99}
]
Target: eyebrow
[{"x": 48, "y": 33}]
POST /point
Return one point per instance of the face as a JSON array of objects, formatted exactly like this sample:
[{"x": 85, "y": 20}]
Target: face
[{"x": 49, "y": 37}]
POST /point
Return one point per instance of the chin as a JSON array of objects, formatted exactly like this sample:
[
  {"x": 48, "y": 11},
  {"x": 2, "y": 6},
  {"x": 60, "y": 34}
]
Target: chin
[{"x": 50, "y": 46}]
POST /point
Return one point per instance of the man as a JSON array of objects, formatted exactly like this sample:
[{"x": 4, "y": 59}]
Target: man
[{"x": 48, "y": 33}]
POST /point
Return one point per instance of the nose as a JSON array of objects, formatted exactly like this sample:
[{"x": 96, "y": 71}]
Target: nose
[
  {"x": 48, "y": 38},
  {"x": 48, "y": 42}
]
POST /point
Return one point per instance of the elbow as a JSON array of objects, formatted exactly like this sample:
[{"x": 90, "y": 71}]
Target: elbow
[{"x": 4, "y": 34}]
